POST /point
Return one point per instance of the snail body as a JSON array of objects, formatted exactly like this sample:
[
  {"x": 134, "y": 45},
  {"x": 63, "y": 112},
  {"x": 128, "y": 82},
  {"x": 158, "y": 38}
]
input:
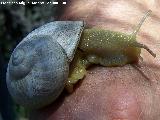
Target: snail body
[
  {"x": 57, "y": 54},
  {"x": 39, "y": 65}
]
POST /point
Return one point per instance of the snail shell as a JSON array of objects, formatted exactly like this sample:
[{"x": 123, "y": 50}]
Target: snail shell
[{"x": 39, "y": 65}]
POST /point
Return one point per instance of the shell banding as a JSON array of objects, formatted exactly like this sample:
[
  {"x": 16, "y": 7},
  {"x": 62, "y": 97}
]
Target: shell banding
[{"x": 39, "y": 65}]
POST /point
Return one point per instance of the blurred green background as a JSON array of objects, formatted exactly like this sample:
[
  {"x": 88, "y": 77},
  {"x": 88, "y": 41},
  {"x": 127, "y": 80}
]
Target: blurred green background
[{"x": 16, "y": 21}]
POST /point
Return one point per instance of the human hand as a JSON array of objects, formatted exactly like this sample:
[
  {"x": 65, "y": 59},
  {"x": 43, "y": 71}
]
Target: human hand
[{"x": 131, "y": 92}]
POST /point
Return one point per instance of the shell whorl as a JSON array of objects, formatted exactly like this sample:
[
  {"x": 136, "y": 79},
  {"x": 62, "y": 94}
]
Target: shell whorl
[
  {"x": 39, "y": 65},
  {"x": 37, "y": 72}
]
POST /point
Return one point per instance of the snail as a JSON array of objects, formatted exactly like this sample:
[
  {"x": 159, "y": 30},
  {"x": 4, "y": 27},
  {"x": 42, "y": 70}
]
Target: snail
[{"x": 56, "y": 55}]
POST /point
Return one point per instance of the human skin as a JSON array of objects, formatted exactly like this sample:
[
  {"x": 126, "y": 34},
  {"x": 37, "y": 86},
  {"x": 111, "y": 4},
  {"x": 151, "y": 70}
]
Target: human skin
[{"x": 131, "y": 92}]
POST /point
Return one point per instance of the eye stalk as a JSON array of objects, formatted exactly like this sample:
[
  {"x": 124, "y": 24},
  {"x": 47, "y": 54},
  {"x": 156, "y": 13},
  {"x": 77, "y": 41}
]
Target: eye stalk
[
  {"x": 47, "y": 60},
  {"x": 147, "y": 14}
]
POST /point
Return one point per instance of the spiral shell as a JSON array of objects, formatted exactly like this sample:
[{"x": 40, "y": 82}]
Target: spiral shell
[{"x": 39, "y": 65}]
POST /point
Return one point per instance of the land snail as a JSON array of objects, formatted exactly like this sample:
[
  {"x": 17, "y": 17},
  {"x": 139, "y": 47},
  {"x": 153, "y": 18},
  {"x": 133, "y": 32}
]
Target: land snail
[{"x": 55, "y": 56}]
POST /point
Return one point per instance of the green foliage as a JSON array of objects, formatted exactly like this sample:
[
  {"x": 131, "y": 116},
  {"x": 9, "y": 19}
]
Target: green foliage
[{"x": 21, "y": 112}]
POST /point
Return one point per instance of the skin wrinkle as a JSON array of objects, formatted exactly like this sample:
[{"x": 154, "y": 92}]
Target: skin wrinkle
[
  {"x": 90, "y": 99},
  {"x": 95, "y": 87},
  {"x": 111, "y": 23},
  {"x": 76, "y": 6},
  {"x": 147, "y": 37}
]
